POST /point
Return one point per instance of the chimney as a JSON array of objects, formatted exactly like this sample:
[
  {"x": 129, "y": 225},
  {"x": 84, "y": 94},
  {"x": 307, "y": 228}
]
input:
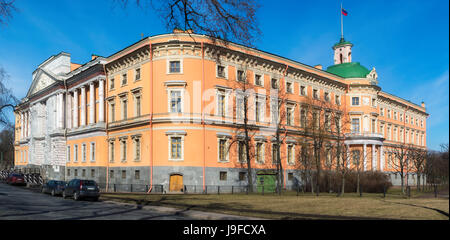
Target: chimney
[
  {"x": 318, "y": 66},
  {"x": 93, "y": 57},
  {"x": 423, "y": 104}
]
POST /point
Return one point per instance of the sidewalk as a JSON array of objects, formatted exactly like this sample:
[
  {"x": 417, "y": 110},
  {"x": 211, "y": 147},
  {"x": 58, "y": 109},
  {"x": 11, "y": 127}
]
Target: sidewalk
[{"x": 198, "y": 215}]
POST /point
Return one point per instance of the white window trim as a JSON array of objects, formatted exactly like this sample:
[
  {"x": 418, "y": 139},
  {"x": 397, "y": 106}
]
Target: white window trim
[
  {"x": 226, "y": 71},
  {"x": 168, "y": 65},
  {"x": 262, "y": 79},
  {"x": 300, "y": 89},
  {"x": 318, "y": 93},
  {"x": 227, "y": 152},
  {"x": 359, "y": 100},
  {"x": 237, "y": 76},
  {"x": 293, "y": 154},
  {"x": 351, "y": 124},
  {"x": 123, "y": 142},
  {"x": 292, "y": 86},
  {"x": 260, "y": 99},
  {"x": 92, "y": 156},
  {"x": 226, "y": 93},
  {"x": 83, "y": 152},
  {"x": 169, "y": 145},
  {"x": 263, "y": 152},
  {"x": 169, "y": 95}
]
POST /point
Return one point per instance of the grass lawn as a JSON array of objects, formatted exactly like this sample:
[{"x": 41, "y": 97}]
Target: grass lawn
[{"x": 304, "y": 206}]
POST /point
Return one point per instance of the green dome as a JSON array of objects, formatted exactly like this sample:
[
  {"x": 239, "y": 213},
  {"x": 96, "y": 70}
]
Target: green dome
[{"x": 349, "y": 70}]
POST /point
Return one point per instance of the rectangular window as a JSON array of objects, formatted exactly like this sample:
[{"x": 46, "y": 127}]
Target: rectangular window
[
  {"x": 274, "y": 83},
  {"x": 303, "y": 118},
  {"x": 75, "y": 153},
  {"x": 92, "y": 173},
  {"x": 355, "y": 101},
  {"x": 258, "y": 81},
  {"x": 381, "y": 111},
  {"x": 290, "y": 154},
  {"x": 395, "y": 115},
  {"x": 327, "y": 122},
  {"x": 124, "y": 109},
  {"x": 258, "y": 110},
  {"x": 175, "y": 147},
  {"x": 137, "y": 74},
  {"x": 315, "y": 118},
  {"x": 76, "y": 173},
  {"x": 124, "y": 79},
  {"x": 290, "y": 176},
  {"x": 111, "y": 174},
  {"x": 221, "y": 104},
  {"x": 241, "y": 151},
  {"x": 289, "y": 116},
  {"x": 83, "y": 152},
  {"x": 395, "y": 134},
  {"x": 315, "y": 93},
  {"x": 111, "y": 83},
  {"x": 356, "y": 157},
  {"x": 374, "y": 102},
  {"x": 374, "y": 126},
  {"x": 111, "y": 151},
  {"x": 389, "y": 113},
  {"x": 221, "y": 71},
  {"x": 259, "y": 152},
  {"x": 112, "y": 111},
  {"x": 124, "y": 174},
  {"x": 401, "y": 117},
  {"x": 275, "y": 153},
  {"x": 289, "y": 88},
  {"x": 175, "y": 101},
  {"x": 303, "y": 90},
  {"x": 83, "y": 173},
  {"x": 242, "y": 176},
  {"x": 138, "y": 106},
  {"x": 68, "y": 172},
  {"x": 389, "y": 136},
  {"x": 326, "y": 96},
  {"x": 174, "y": 67},
  {"x": 382, "y": 130},
  {"x": 137, "y": 174},
  {"x": 137, "y": 148},
  {"x": 92, "y": 152},
  {"x": 222, "y": 150},
  {"x": 240, "y": 76},
  {"x": 124, "y": 150},
  {"x": 240, "y": 108},
  {"x": 68, "y": 153},
  {"x": 355, "y": 125},
  {"x": 223, "y": 176}
]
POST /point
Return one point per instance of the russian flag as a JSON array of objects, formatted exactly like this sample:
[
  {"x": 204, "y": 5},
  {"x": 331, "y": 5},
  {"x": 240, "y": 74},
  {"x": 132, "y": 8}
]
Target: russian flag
[{"x": 344, "y": 12}]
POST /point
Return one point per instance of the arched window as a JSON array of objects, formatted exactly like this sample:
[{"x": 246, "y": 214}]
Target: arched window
[
  {"x": 340, "y": 57},
  {"x": 349, "y": 57}
]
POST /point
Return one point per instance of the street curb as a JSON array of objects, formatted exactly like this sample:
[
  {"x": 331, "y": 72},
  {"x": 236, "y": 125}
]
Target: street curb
[{"x": 198, "y": 215}]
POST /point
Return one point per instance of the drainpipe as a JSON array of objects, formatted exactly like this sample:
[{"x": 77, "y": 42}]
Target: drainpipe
[
  {"x": 64, "y": 123},
  {"x": 106, "y": 127},
  {"x": 203, "y": 116},
  {"x": 151, "y": 118}
]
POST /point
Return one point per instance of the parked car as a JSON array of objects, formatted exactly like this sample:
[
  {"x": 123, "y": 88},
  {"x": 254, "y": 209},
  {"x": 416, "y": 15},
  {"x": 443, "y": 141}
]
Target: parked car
[
  {"x": 16, "y": 179},
  {"x": 54, "y": 187},
  {"x": 79, "y": 188}
]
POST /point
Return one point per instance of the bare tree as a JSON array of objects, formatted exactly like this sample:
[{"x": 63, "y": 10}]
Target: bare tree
[
  {"x": 6, "y": 9},
  {"x": 230, "y": 20},
  {"x": 7, "y": 100},
  {"x": 401, "y": 153},
  {"x": 418, "y": 157}
]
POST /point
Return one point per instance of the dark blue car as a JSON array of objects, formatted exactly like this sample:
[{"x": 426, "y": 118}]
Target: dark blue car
[{"x": 54, "y": 187}]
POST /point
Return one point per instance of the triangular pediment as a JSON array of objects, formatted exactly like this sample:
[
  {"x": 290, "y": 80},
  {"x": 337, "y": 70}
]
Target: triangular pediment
[{"x": 41, "y": 80}]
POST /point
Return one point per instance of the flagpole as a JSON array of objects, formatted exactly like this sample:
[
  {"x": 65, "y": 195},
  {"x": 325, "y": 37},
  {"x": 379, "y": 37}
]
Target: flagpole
[{"x": 342, "y": 24}]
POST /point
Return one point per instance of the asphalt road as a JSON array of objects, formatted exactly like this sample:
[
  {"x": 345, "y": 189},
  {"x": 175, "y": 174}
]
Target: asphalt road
[{"x": 19, "y": 203}]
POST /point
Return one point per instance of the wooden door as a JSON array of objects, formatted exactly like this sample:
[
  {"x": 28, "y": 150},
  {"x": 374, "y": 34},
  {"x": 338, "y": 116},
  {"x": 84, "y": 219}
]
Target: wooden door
[{"x": 176, "y": 183}]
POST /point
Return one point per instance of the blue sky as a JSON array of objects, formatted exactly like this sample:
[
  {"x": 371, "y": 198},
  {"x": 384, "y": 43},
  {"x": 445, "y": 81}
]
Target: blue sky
[{"x": 406, "y": 41}]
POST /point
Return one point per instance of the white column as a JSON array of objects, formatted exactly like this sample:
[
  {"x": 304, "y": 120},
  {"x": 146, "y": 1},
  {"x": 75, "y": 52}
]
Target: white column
[
  {"x": 365, "y": 157},
  {"x": 101, "y": 103},
  {"x": 83, "y": 106},
  {"x": 69, "y": 110},
  {"x": 22, "y": 129},
  {"x": 374, "y": 158},
  {"x": 26, "y": 124},
  {"x": 91, "y": 103},
  {"x": 75, "y": 108},
  {"x": 61, "y": 110},
  {"x": 381, "y": 158}
]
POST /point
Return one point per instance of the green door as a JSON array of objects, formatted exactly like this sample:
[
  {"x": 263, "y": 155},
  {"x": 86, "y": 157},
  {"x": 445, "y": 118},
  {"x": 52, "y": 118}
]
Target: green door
[{"x": 267, "y": 180}]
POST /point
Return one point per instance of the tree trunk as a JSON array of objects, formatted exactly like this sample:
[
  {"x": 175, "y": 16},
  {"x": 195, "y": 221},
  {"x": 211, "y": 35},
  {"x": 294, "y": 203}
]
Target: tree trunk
[
  {"x": 343, "y": 186},
  {"x": 357, "y": 183}
]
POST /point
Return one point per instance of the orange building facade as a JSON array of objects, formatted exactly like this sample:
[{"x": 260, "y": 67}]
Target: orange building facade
[{"x": 168, "y": 111}]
